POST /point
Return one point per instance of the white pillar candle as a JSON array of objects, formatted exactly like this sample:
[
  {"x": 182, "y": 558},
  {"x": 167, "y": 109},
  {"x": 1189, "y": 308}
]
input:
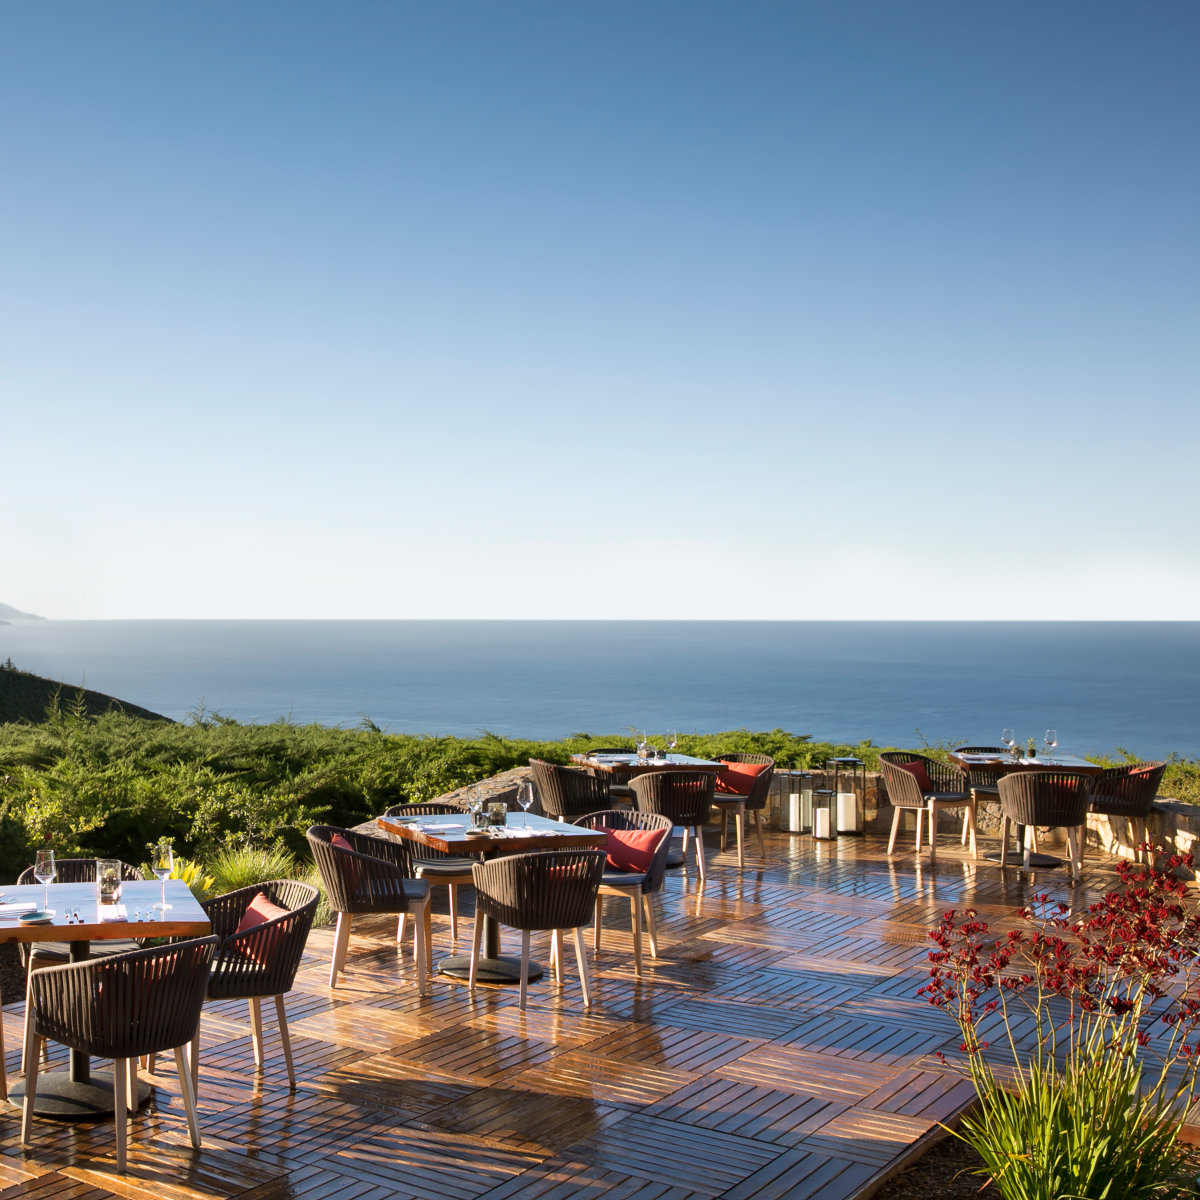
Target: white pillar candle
[
  {"x": 847, "y": 812},
  {"x": 793, "y": 818},
  {"x": 806, "y": 811},
  {"x": 821, "y": 823}
]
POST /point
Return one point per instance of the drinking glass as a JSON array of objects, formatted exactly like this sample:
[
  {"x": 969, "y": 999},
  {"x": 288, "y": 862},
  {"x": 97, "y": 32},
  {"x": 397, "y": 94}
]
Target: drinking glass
[
  {"x": 525, "y": 800},
  {"x": 108, "y": 880},
  {"x": 1051, "y": 740},
  {"x": 1008, "y": 738},
  {"x": 162, "y": 864},
  {"x": 44, "y": 870},
  {"x": 475, "y": 805},
  {"x": 642, "y": 747},
  {"x": 672, "y": 739}
]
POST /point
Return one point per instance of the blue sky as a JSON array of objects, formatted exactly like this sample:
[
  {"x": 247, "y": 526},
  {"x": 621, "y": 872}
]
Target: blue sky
[{"x": 599, "y": 310}]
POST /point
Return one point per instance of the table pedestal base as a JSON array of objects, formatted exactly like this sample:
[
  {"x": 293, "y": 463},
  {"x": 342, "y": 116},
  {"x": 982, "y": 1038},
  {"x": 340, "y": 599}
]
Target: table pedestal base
[
  {"x": 500, "y": 969},
  {"x": 58, "y": 1096},
  {"x": 1016, "y": 858}
]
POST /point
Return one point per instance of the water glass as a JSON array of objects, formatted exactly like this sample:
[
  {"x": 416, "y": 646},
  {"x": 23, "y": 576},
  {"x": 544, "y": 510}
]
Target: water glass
[
  {"x": 108, "y": 880},
  {"x": 525, "y": 800},
  {"x": 162, "y": 864}
]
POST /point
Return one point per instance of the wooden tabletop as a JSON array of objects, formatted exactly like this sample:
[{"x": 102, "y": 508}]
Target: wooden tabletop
[
  {"x": 545, "y": 835},
  {"x": 1003, "y": 765},
  {"x": 185, "y": 919},
  {"x": 631, "y": 762}
]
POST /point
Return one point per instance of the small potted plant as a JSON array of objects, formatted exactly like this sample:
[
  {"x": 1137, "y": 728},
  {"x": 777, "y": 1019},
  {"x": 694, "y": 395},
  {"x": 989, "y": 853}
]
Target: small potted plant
[{"x": 1031, "y": 749}]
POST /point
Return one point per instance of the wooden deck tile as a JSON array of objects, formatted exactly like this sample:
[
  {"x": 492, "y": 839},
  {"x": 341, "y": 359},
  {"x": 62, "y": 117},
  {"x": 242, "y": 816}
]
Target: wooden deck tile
[
  {"x": 775, "y": 1066},
  {"x": 595, "y": 1078},
  {"x": 563, "y": 1179},
  {"x": 363, "y": 1027},
  {"x": 865, "y": 1041},
  {"x": 663, "y": 1046}
]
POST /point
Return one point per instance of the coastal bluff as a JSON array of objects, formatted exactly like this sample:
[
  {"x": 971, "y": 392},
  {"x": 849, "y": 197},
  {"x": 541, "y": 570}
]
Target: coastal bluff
[{"x": 28, "y": 697}]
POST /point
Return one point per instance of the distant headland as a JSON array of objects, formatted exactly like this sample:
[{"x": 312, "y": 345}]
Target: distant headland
[
  {"x": 9, "y": 614},
  {"x": 30, "y": 698}
]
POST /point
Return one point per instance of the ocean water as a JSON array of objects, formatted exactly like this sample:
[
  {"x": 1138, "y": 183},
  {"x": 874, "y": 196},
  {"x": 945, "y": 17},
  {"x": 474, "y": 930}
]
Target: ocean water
[{"x": 1101, "y": 685}]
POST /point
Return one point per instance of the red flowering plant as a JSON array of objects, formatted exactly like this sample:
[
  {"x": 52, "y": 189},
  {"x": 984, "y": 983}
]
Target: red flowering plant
[{"x": 1100, "y": 1017}]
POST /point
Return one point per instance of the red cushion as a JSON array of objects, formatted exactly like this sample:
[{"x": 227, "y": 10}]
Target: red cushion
[
  {"x": 737, "y": 779},
  {"x": 918, "y": 769},
  {"x": 633, "y": 849},
  {"x": 260, "y": 911},
  {"x": 350, "y": 867}
]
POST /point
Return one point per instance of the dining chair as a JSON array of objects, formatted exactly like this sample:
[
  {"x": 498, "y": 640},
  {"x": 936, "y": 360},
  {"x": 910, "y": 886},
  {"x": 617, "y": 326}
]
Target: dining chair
[
  {"x": 618, "y": 778},
  {"x": 635, "y": 869},
  {"x": 122, "y": 1007},
  {"x": 926, "y": 786},
  {"x": 36, "y": 956},
  {"x": 452, "y": 870},
  {"x": 1059, "y": 799},
  {"x": 567, "y": 793},
  {"x": 1129, "y": 792},
  {"x": 365, "y": 875},
  {"x": 742, "y": 791},
  {"x": 980, "y": 780},
  {"x": 262, "y": 930},
  {"x": 551, "y": 890},
  {"x": 685, "y": 798}
]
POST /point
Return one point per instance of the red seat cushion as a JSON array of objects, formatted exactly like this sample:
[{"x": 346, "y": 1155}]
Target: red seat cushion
[
  {"x": 350, "y": 867},
  {"x": 633, "y": 849},
  {"x": 1130, "y": 786},
  {"x": 922, "y": 776},
  {"x": 260, "y": 911},
  {"x": 737, "y": 779}
]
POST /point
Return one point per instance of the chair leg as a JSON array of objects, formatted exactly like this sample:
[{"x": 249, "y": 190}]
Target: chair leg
[
  {"x": 151, "y": 1061},
  {"x": 724, "y": 828},
  {"x": 476, "y": 938},
  {"x": 687, "y": 833},
  {"x": 651, "y": 925},
  {"x": 454, "y": 912},
  {"x": 256, "y": 1036},
  {"x": 131, "y": 1084},
  {"x": 28, "y": 1017},
  {"x": 762, "y": 846},
  {"x": 194, "y": 1054},
  {"x": 895, "y": 829},
  {"x": 3, "y": 1072},
  {"x": 739, "y": 819},
  {"x": 1033, "y": 833},
  {"x": 635, "y": 905},
  {"x": 189, "y": 1092},
  {"x": 1004, "y": 841},
  {"x": 341, "y": 942},
  {"x": 932, "y": 831},
  {"x": 1028, "y": 846},
  {"x": 1073, "y": 845},
  {"x": 585, "y": 980},
  {"x": 556, "y": 949},
  {"x": 121, "y": 1114},
  {"x": 966, "y": 823},
  {"x": 920, "y": 812},
  {"x": 970, "y": 819},
  {"x": 421, "y": 944},
  {"x": 1140, "y": 833},
  {"x": 285, "y": 1038},
  {"x": 700, "y": 851},
  {"x": 401, "y": 926},
  {"x": 33, "y": 1047},
  {"x": 596, "y": 927},
  {"x": 524, "y": 968}
]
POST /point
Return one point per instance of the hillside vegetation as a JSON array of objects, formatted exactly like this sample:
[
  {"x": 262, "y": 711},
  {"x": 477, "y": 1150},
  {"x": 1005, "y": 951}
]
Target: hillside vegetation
[{"x": 28, "y": 697}]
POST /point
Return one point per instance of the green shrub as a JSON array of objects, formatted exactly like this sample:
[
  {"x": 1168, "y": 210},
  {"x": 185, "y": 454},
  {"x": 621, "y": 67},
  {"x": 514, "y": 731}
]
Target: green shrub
[{"x": 243, "y": 866}]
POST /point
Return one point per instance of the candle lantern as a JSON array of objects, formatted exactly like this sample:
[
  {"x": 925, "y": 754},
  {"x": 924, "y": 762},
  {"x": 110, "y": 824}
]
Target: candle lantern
[
  {"x": 824, "y": 815},
  {"x": 795, "y": 801},
  {"x": 850, "y": 787}
]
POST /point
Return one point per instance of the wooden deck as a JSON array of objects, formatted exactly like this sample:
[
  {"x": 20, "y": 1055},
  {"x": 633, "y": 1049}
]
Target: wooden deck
[{"x": 776, "y": 1049}]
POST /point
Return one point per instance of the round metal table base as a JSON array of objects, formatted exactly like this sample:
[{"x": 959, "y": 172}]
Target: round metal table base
[
  {"x": 60, "y": 1098},
  {"x": 1016, "y": 858},
  {"x": 676, "y": 858},
  {"x": 491, "y": 970}
]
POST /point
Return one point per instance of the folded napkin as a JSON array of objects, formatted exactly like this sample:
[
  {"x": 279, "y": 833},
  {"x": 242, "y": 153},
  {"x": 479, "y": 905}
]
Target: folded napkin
[
  {"x": 18, "y": 909},
  {"x": 442, "y": 827},
  {"x": 112, "y": 912}
]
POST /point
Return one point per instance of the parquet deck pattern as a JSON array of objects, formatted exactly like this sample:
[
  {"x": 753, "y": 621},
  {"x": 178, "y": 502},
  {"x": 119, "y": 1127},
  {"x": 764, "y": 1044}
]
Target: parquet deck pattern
[{"x": 776, "y": 1049}]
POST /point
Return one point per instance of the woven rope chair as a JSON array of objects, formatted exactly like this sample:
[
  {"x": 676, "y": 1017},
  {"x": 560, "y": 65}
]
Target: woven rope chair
[
  {"x": 439, "y": 868},
  {"x": 1054, "y": 798},
  {"x": 639, "y": 887},
  {"x": 566, "y": 793},
  {"x": 36, "y": 956},
  {"x": 685, "y": 798},
  {"x": 1129, "y": 792},
  {"x": 553, "y": 890},
  {"x": 754, "y": 802},
  {"x": 619, "y": 777},
  {"x": 263, "y": 961},
  {"x": 980, "y": 780},
  {"x": 122, "y": 1006},
  {"x": 904, "y": 791},
  {"x": 372, "y": 877}
]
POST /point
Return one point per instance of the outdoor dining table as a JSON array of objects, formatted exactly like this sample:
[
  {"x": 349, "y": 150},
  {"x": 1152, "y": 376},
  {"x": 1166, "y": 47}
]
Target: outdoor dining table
[
  {"x": 1003, "y": 764},
  {"x": 77, "y": 1092},
  {"x": 522, "y": 834},
  {"x": 608, "y": 763}
]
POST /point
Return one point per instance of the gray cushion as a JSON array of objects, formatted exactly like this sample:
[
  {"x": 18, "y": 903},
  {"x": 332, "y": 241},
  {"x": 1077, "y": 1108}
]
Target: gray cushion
[
  {"x": 427, "y": 868},
  {"x": 960, "y": 797},
  {"x": 623, "y": 878},
  {"x": 60, "y": 952}
]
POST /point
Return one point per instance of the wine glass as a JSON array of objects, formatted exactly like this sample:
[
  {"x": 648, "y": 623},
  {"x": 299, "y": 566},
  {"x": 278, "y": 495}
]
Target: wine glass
[
  {"x": 1051, "y": 740},
  {"x": 475, "y": 803},
  {"x": 525, "y": 800},
  {"x": 44, "y": 870},
  {"x": 672, "y": 739},
  {"x": 162, "y": 864},
  {"x": 1008, "y": 738},
  {"x": 642, "y": 741}
]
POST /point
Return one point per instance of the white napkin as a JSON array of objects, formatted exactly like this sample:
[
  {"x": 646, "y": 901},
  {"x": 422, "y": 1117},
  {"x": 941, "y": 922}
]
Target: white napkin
[
  {"x": 18, "y": 909},
  {"x": 112, "y": 912},
  {"x": 441, "y": 828}
]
